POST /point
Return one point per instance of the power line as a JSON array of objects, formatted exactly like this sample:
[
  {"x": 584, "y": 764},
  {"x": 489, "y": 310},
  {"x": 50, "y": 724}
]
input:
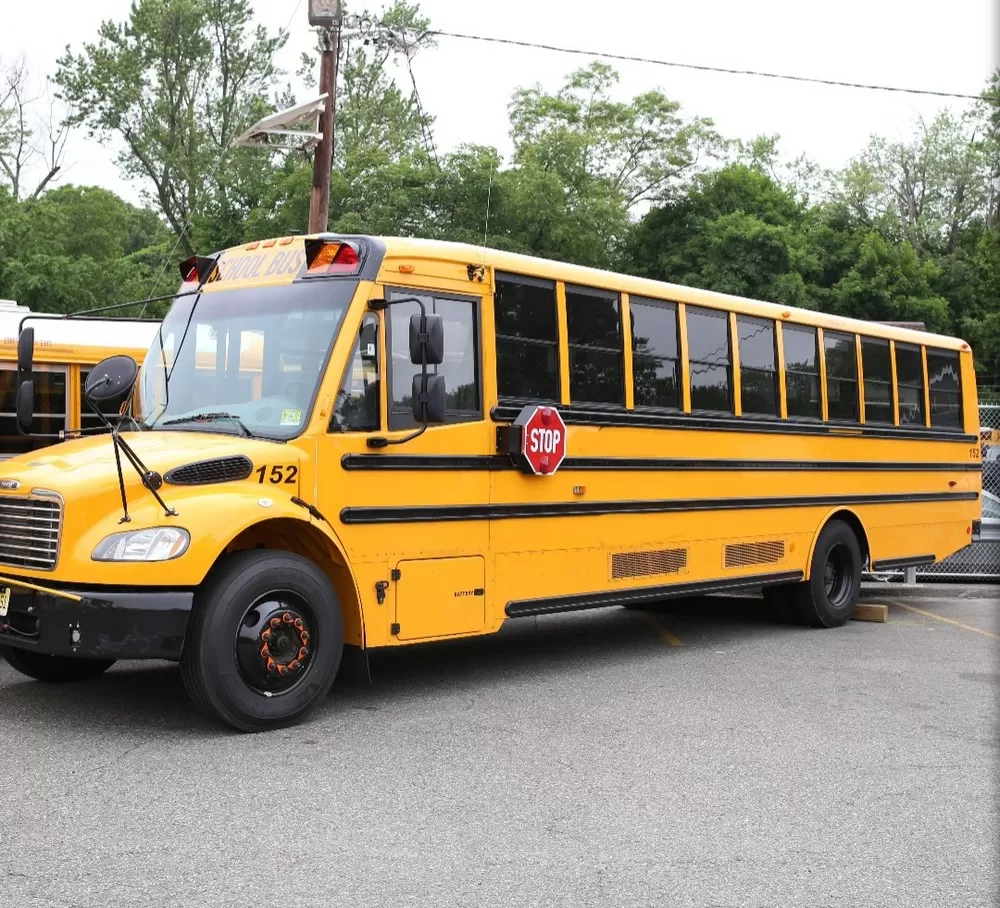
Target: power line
[{"x": 489, "y": 39}]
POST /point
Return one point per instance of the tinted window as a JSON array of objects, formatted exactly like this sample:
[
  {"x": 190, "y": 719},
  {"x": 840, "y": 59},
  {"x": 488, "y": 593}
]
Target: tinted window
[
  {"x": 356, "y": 408},
  {"x": 50, "y": 410},
  {"x": 841, "y": 376},
  {"x": 527, "y": 338},
  {"x": 461, "y": 358},
  {"x": 655, "y": 356},
  {"x": 801, "y": 372},
  {"x": 758, "y": 371},
  {"x": 595, "y": 347},
  {"x": 945, "y": 380},
  {"x": 877, "y": 366},
  {"x": 711, "y": 360},
  {"x": 910, "y": 382}
]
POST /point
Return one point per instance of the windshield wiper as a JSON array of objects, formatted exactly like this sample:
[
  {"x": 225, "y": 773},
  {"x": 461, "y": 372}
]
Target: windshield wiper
[{"x": 208, "y": 417}]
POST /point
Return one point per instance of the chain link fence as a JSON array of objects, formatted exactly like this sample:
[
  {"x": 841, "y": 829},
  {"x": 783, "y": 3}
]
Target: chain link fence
[{"x": 980, "y": 561}]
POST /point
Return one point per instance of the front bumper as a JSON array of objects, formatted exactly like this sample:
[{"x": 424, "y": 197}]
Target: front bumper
[{"x": 105, "y": 623}]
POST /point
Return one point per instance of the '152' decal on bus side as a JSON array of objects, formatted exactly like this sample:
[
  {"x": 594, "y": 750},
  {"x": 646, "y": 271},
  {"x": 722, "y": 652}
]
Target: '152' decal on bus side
[{"x": 277, "y": 475}]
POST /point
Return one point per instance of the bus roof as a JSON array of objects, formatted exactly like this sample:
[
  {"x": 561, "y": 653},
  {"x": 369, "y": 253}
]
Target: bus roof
[
  {"x": 73, "y": 339},
  {"x": 594, "y": 277}
]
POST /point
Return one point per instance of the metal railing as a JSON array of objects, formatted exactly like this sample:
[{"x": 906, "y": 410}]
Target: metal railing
[{"x": 980, "y": 561}]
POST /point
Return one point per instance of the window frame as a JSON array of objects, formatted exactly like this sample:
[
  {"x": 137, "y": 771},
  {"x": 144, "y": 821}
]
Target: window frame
[
  {"x": 793, "y": 327},
  {"x": 775, "y": 372},
  {"x": 724, "y": 316},
  {"x": 607, "y": 296},
  {"x": 511, "y": 277},
  {"x": 858, "y": 390},
  {"x": 397, "y": 420}
]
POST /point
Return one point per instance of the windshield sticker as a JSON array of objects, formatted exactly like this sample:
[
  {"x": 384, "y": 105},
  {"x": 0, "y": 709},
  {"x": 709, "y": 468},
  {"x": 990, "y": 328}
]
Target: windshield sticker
[{"x": 291, "y": 417}]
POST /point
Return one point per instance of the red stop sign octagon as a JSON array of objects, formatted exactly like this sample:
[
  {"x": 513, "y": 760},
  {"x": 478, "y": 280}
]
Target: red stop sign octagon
[{"x": 543, "y": 440}]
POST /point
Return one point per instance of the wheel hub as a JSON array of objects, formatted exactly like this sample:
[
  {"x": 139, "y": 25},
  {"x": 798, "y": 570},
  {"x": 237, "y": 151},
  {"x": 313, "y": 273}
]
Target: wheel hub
[{"x": 274, "y": 644}]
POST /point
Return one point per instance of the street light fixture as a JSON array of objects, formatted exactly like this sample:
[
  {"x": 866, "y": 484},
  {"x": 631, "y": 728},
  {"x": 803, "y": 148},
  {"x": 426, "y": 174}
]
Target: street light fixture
[{"x": 325, "y": 13}]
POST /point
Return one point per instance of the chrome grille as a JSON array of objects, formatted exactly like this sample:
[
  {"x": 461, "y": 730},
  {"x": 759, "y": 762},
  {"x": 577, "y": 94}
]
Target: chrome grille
[{"x": 29, "y": 532}]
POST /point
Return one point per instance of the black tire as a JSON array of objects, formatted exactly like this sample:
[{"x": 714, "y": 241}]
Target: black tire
[
  {"x": 217, "y": 664},
  {"x": 829, "y": 597},
  {"x": 54, "y": 669},
  {"x": 780, "y": 602}
]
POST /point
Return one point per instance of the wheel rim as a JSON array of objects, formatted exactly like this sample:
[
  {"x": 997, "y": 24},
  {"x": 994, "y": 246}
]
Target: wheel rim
[
  {"x": 838, "y": 575},
  {"x": 275, "y": 643}
]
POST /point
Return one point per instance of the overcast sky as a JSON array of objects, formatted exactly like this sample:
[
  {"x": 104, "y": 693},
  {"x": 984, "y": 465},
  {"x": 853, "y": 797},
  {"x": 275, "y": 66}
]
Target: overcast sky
[{"x": 466, "y": 85}]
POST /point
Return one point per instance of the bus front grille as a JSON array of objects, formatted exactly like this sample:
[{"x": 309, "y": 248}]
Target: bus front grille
[{"x": 29, "y": 532}]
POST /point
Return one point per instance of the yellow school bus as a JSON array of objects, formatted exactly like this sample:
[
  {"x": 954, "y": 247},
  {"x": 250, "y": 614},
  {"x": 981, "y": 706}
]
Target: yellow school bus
[
  {"x": 365, "y": 442},
  {"x": 65, "y": 352}
]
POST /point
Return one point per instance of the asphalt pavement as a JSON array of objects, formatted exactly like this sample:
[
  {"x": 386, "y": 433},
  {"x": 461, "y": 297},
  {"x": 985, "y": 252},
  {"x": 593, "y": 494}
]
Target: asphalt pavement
[{"x": 706, "y": 754}]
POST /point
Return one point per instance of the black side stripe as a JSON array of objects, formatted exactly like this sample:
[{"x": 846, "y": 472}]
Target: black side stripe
[
  {"x": 524, "y": 608},
  {"x": 586, "y": 416},
  {"x": 500, "y": 462},
  {"x": 437, "y": 514},
  {"x": 892, "y": 564}
]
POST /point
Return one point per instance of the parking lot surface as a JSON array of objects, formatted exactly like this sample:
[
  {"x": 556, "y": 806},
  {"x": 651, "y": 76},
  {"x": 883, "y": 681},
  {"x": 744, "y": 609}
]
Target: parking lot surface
[{"x": 706, "y": 754}]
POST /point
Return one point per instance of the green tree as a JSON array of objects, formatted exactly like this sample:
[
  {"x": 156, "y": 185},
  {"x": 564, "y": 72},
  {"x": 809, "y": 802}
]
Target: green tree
[{"x": 175, "y": 83}]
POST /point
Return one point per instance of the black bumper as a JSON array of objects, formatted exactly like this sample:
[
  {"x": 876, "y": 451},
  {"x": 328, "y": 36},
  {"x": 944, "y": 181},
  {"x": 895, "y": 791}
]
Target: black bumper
[{"x": 106, "y": 623}]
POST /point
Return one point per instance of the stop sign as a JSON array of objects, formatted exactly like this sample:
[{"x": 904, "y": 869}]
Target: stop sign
[{"x": 543, "y": 440}]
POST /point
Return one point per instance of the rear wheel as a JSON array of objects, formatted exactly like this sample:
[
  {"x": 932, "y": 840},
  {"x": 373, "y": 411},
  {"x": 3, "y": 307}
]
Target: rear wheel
[
  {"x": 54, "y": 669},
  {"x": 829, "y": 597},
  {"x": 265, "y": 641}
]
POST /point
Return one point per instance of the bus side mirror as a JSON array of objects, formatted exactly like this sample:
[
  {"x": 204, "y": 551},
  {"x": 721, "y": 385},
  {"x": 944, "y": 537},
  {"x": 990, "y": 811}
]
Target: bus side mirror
[
  {"x": 25, "y": 406},
  {"x": 426, "y": 339},
  {"x": 428, "y": 398},
  {"x": 25, "y": 353}
]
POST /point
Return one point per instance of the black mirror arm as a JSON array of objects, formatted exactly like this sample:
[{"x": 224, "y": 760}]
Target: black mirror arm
[{"x": 380, "y": 441}]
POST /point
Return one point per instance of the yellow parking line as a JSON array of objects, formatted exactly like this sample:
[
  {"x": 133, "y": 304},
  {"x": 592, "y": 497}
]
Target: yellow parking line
[
  {"x": 661, "y": 630},
  {"x": 965, "y": 627}
]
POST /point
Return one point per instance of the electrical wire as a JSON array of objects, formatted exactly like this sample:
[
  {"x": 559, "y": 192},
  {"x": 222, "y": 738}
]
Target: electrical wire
[{"x": 490, "y": 39}]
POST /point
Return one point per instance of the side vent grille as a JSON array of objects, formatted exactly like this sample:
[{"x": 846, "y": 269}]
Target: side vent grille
[
  {"x": 209, "y": 472},
  {"x": 648, "y": 564},
  {"x": 743, "y": 554}
]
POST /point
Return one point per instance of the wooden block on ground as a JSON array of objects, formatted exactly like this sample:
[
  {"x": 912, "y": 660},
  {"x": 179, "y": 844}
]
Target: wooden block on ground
[{"x": 871, "y": 611}]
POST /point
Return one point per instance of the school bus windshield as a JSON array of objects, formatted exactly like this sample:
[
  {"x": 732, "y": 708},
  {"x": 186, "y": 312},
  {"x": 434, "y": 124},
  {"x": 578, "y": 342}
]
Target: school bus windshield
[{"x": 244, "y": 359}]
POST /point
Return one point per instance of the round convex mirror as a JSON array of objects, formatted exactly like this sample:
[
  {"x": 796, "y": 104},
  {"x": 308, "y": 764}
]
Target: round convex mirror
[{"x": 111, "y": 379}]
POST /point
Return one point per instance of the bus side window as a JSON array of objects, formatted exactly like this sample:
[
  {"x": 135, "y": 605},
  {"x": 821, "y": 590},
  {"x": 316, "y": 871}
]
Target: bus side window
[
  {"x": 710, "y": 357},
  {"x": 527, "y": 338},
  {"x": 596, "y": 360},
  {"x": 877, "y": 363},
  {"x": 759, "y": 387},
  {"x": 841, "y": 376},
  {"x": 656, "y": 362},
  {"x": 50, "y": 409},
  {"x": 910, "y": 383},
  {"x": 356, "y": 409},
  {"x": 945, "y": 378},
  {"x": 801, "y": 371}
]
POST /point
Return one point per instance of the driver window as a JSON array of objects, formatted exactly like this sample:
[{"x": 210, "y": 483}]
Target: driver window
[{"x": 357, "y": 406}]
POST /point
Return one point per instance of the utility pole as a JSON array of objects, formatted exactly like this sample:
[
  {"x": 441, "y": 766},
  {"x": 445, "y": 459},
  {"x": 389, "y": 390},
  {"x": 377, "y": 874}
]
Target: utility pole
[{"x": 327, "y": 16}]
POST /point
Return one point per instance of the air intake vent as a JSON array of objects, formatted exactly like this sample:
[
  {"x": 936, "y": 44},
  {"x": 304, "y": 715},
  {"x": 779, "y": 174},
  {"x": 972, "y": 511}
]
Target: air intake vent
[
  {"x": 209, "y": 472},
  {"x": 742, "y": 554},
  {"x": 648, "y": 564}
]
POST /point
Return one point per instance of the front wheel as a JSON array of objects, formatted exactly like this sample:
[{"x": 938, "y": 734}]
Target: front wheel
[
  {"x": 829, "y": 597},
  {"x": 265, "y": 641},
  {"x": 54, "y": 669}
]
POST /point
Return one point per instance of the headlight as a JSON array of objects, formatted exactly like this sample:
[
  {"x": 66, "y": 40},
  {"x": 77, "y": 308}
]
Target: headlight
[{"x": 156, "y": 544}]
